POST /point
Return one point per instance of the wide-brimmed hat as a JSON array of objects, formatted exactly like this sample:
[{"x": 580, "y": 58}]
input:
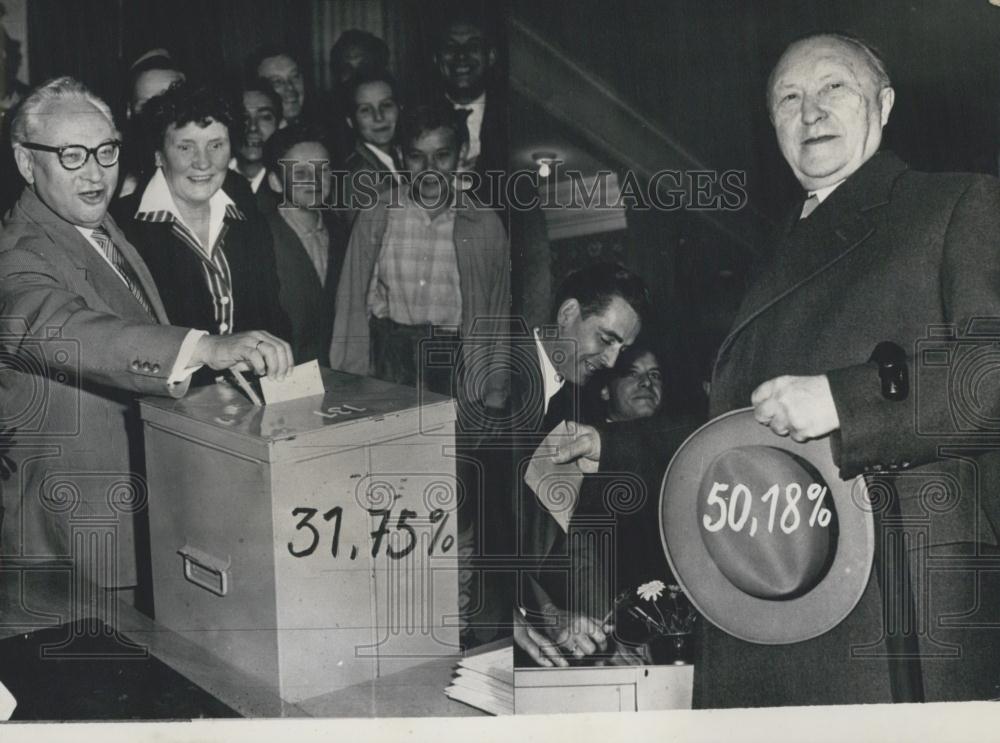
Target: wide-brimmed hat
[{"x": 767, "y": 541}]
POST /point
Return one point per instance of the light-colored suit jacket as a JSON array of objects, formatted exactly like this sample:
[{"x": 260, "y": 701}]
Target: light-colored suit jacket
[{"x": 75, "y": 346}]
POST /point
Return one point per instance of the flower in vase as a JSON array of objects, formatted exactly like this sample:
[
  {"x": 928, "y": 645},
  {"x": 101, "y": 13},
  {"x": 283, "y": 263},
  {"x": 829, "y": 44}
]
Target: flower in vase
[{"x": 652, "y": 590}]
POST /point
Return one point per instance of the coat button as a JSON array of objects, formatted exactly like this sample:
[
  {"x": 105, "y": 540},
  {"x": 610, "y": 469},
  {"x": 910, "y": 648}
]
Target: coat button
[
  {"x": 223, "y": 300},
  {"x": 223, "y": 327},
  {"x": 135, "y": 364},
  {"x": 156, "y": 368},
  {"x": 145, "y": 366}
]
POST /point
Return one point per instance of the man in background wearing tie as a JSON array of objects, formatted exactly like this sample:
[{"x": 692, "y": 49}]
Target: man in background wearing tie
[
  {"x": 82, "y": 330},
  {"x": 466, "y": 59}
]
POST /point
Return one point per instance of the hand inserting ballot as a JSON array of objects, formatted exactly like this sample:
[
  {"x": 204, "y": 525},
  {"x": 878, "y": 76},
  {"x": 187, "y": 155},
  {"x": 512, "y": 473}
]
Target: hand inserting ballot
[{"x": 266, "y": 354}]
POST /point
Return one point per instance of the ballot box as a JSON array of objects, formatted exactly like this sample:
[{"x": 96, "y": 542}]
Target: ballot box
[
  {"x": 602, "y": 689},
  {"x": 310, "y": 543}
]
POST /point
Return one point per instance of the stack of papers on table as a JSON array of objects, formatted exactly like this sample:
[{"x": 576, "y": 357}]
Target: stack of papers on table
[{"x": 486, "y": 681}]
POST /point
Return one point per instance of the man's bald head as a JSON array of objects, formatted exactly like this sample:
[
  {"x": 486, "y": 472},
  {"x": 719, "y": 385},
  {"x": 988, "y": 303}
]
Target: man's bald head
[
  {"x": 828, "y": 98},
  {"x": 865, "y": 52}
]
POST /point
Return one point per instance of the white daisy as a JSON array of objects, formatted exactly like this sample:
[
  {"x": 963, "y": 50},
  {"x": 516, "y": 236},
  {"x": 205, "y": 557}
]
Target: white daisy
[{"x": 651, "y": 591}]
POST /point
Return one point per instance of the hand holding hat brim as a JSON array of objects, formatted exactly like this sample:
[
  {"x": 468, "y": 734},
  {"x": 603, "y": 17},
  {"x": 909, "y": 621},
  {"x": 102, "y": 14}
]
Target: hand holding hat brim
[{"x": 783, "y": 598}]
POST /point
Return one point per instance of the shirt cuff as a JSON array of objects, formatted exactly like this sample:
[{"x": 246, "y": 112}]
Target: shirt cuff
[{"x": 182, "y": 369}]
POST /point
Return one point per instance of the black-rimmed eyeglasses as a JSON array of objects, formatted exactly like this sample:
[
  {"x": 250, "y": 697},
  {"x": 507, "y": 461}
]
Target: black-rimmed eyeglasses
[{"x": 75, "y": 156}]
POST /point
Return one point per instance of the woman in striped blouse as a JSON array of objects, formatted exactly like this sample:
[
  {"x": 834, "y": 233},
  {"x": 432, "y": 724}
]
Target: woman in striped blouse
[{"x": 213, "y": 264}]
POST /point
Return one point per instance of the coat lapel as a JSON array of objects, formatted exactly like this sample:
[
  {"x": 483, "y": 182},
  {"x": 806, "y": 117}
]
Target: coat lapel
[
  {"x": 111, "y": 292},
  {"x": 527, "y": 387},
  {"x": 805, "y": 251},
  {"x": 491, "y": 136}
]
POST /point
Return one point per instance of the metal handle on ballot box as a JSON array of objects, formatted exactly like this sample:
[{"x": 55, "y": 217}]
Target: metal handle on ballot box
[{"x": 205, "y": 571}]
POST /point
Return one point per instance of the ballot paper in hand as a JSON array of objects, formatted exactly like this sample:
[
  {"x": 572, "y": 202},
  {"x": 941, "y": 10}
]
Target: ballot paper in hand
[
  {"x": 7, "y": 703},
  {"x": 557, "y": 486},
  {"x": 303, "y": 381}
]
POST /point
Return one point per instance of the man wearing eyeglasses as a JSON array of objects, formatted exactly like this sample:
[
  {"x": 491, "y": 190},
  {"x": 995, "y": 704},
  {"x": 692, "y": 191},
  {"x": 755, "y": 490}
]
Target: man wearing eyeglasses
[{"x": 82, "y": 329}]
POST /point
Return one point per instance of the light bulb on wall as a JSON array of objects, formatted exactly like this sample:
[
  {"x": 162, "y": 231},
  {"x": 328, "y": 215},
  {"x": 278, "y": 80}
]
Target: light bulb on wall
[{"x": 544, "y": 162}]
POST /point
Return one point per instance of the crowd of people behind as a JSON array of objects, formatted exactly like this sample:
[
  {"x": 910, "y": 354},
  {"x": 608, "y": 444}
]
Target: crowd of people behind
[
  {"x": 265, "y": 226},
  {"x": 242, "y": 198},
  {"x": 253, "y": 221},
  {"x": 283, "y": 225}
]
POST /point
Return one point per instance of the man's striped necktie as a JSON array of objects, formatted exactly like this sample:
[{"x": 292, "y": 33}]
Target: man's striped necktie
[{"x": 103, "y": 239}]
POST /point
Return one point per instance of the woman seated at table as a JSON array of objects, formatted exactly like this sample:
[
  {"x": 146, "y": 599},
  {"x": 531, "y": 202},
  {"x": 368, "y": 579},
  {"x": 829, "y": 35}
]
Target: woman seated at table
[
  {"x": 214, "y": 270},
  {"x": 373, "y": 110}
]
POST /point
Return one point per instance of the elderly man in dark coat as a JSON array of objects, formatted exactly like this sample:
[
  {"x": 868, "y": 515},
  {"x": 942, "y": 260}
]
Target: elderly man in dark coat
[{"x": 877, "y": 257}]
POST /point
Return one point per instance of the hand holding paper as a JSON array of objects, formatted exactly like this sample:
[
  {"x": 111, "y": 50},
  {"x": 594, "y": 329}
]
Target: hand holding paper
[
  {"x": 257, "y": 350},
  {"x": 557, "y": 486},
  {"x": 303, "y": 381}
]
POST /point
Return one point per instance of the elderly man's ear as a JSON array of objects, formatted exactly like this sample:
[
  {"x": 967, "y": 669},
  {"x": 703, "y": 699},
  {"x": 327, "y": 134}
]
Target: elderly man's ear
[
  {"x": 886, "y": 97},
  {"x": 25, "y": 164}
]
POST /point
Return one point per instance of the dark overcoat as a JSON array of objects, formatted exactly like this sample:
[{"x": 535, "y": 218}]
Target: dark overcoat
[{"x": 907, "y": 257}]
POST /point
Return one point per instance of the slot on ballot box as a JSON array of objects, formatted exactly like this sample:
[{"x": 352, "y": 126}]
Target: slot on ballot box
[{"x": 310, "y": 543}]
